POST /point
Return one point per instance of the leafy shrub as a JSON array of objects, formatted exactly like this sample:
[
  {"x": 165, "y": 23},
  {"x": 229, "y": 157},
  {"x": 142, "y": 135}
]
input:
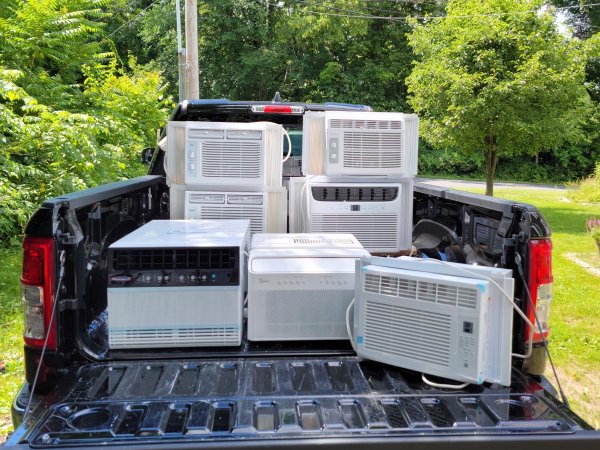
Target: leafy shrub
[{"x": 47, "y": 152}]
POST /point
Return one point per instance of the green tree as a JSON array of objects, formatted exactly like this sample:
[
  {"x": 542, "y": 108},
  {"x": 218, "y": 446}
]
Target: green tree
[
  {"x": 496, "y": 77},
  {"x": 309, "y": 50}
]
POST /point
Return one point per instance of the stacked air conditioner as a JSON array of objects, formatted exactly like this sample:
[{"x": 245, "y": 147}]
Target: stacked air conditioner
[
  {"x": 359, "y": 169},
  {"x": 221, "y": 170}
]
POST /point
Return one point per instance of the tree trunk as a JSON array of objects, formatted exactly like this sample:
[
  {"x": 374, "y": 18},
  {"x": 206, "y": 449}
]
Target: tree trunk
[{"x": 490, "y": 164}]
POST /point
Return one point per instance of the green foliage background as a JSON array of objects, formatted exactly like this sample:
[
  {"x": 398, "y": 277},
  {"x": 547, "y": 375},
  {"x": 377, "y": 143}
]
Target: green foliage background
[
  {"x": 85, "y": 84},
  {"x": 73, "y": 114}
]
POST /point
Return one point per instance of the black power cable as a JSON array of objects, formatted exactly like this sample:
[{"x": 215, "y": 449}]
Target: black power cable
[
  {"x": 519, "y": 261},
  {"x": 61, "y": 276}
]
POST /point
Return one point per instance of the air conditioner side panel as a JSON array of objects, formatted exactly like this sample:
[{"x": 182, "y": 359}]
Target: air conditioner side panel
[
  {"x": 175, "y": 157},
  {"x": 313, "y": 143}
]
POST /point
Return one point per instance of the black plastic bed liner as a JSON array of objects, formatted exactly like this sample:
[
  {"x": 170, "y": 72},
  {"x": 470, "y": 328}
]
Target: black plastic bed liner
[{"x": 283, "y": 399}]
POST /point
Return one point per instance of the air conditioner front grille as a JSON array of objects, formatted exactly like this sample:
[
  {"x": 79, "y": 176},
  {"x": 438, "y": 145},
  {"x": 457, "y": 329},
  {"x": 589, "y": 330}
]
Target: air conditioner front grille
[
  {"x": 398, "y": 330},
  {"x": 231, "y": 159},
  {"x": 354, "y": 194},
  {"x": 168, "y": 337},
  {"x": 253, "y": 213},
  {"x": 366, "y": 124},
  {"x": 372, "y": 150},
  {"x": 433, "y": 292},
  {"x": 373, "y": 231},
  {"x": 171, "y": 259}
]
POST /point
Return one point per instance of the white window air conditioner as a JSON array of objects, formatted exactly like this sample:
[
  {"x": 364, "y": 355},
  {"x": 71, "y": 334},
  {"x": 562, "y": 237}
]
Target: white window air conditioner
[
  {"x": 435, "y": 318},
  {"x": 214, "y": 154},
  {"x": 360, "y": 144},
  {"x": 300, "y": 286},
  {"x": 267, "y": 211},
  {"x": 177, "y": 283},
  {"x": 379, "y": 215}
]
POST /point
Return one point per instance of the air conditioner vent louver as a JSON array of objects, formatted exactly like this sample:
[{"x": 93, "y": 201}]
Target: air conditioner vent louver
[
  {"x": 267, "y": 211},
  {"x": 203, "y": 197},
  {"x": 372, "y": 151},
  {"x": 366, "y": 124},
  {"x": 354, "y": 194},
  {"x": 254, "y": 213},
  {"x": 231, "y": 159},
  {"x": 236, "y": 199},
  {"x": 395, "y": 330},
  {"x": 421, "y": 291},
  {"x": 323, "y": 241},
  {"x": 140, "y": 338},
  {"x": 366, "y": 228},
  {"x": 172, "y": 259}
]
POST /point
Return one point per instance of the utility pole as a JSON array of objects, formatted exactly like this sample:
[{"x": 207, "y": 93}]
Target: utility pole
[
  {"x": 181, "y": 65},
  {"x": 192, "y": 85}
]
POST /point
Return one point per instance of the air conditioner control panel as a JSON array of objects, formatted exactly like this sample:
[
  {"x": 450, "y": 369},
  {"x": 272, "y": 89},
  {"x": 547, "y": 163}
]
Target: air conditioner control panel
[{"x": 172, "y": 278}]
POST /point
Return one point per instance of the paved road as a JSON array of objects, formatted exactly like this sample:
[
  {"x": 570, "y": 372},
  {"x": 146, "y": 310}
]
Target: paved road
[{"x": 458, "y": 184}]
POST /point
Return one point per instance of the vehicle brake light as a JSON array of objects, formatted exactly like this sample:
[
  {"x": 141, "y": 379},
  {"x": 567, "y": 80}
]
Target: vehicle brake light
[
  {"x": 540, "y": 286},
  {"x": 37, "y": 291},
  {"x": 277, "y": 109}
]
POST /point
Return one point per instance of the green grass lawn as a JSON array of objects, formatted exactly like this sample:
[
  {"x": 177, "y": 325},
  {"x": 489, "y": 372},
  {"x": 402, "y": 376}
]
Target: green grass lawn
[
  {"x": 575, "y": 340},
  {"x": 11, "y": 342}
]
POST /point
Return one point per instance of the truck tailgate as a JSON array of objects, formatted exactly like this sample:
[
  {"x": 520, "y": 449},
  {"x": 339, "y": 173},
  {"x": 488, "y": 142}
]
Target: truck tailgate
[{"x": 289, "y": 402}]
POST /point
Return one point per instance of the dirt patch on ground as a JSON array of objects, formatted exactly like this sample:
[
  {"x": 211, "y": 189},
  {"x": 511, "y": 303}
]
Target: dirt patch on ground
[
  {"x": 583, "y": 392},
  {"x": 589, "y": 261},
  {"x": 5, "y": 424}
]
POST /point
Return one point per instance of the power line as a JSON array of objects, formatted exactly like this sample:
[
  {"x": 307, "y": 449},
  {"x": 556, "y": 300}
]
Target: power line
[
  {"x": 353, "y": 14},
  {"x": 370, "y": 8},
  {"x": 356, "y": 15},
  {"x": 134, "y": 18}
]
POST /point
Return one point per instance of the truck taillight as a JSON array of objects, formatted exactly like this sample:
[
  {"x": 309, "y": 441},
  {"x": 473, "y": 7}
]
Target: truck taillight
[
  {"x": 540, "y": 286},
  {"x": 37, "y": 291}
]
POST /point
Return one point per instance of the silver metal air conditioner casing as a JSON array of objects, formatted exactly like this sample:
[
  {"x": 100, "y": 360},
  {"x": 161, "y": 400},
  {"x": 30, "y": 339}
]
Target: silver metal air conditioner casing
[
  {"x": 267, "y": 211},
  {"x": 447, "y": 320},
  {"x": 177, "y": 283},
  {"x": 218, "y": 154},
  {"x": 300, "y": 286},
  {"x": 379, "y": 215},
  {"x": 360, "y": 144}
]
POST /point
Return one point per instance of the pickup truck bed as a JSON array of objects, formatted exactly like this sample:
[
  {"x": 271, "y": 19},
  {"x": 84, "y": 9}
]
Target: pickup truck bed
[
  {"x": 278, "y": 400},
  {"x": 269, "y": 395}
]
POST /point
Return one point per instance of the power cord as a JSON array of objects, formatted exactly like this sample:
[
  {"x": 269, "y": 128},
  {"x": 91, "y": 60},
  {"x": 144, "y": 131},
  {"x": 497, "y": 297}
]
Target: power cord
[
  {"x": 348, "y": 328},
  {"x": 61, "y": 276},
  {"x": 441, "y": 385},
  {"x": 289, "y": 153},
  {"x": 519, "y": 261}
]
